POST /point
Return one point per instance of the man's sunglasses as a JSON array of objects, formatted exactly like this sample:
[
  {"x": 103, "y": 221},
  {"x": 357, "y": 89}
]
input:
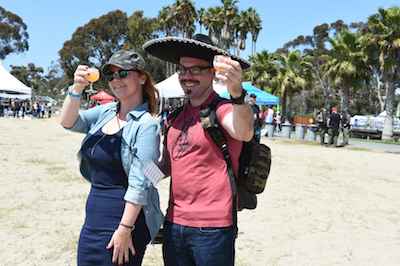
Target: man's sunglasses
[
  {"x": 193, "y": 70},
  {"x": 122, "y": 73}
]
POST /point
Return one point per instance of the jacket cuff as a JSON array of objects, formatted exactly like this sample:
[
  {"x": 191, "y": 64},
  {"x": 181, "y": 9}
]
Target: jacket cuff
[{"x": 136, "y": 196}]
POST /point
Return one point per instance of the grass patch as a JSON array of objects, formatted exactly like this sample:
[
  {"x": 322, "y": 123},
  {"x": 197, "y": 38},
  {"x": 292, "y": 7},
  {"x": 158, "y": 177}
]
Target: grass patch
[
  {"x": 37, "y": 161},
  {"x": 54, "y": 170}
]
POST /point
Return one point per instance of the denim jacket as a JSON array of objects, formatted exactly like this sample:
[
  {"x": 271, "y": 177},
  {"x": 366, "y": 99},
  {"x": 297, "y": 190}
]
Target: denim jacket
[{"x": 141, "y": 132}]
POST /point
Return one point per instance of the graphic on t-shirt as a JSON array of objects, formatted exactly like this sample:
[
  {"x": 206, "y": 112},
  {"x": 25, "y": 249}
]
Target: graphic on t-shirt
[{"x": 181, "y": 136}]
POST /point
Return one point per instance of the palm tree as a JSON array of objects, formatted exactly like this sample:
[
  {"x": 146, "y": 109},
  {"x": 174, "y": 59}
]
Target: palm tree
[
  {"x": 255, "y": 27},
  {"x": 229, "y": 12},
  {"x": 384, "y": 39},
  {"x": 214, "y": 22},
  {"x": 242, "y": 26},
  {"x": 294, "y": 73},
  {"x": 263, "y": 69},
  {"x": 165, "y": 19},
  {"x": 184, "y": 16},
  {"x": 347, "y": 66},
  {"x": 200, "y": 16}
]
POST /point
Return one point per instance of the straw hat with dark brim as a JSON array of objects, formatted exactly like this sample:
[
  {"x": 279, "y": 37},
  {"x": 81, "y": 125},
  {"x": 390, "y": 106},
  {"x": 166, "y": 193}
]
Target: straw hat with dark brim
[{"x": 171, "y": 49}]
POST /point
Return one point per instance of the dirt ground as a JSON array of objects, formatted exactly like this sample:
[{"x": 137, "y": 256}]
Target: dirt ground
[{"x": 322, "y": 206}]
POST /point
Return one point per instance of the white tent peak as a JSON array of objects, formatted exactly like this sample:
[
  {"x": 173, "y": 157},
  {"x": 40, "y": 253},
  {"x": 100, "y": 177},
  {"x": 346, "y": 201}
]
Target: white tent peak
[{"x": 11, "y": 87}]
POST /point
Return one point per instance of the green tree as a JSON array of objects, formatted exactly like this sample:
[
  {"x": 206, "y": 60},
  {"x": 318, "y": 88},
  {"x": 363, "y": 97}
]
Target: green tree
[
  {"x": 200, "y": 17},
  {"x": 242, "y": 26},
  {"x": 384, "y": 40},
  {"x": 263, "y": 69},
  {"x": 214, "y": 22},
  {"x": 13, "y": 34},
  {"x": 347, "y": 66},
  {"x": 294, "y": 73},
  {"x": 315, "y": 46},
  {"x": 184, "y": 16},
  {"x": 31, "y": 76},
  {"x": 139, "y": 31},
  {"x": 165, "y": 18},
  {"x": 255, "y": 27},
  {"x": 229, "y": 12},
  {"x": 94, "y": 44}
]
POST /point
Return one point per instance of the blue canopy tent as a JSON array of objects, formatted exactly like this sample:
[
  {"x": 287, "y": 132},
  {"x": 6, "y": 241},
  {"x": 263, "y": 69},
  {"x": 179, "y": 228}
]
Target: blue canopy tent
[{"x": 262, "y": 96}]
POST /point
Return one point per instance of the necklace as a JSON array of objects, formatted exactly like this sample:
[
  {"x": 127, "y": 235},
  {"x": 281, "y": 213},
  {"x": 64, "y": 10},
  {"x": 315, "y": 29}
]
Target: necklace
[{"x": 104, "y": 135}]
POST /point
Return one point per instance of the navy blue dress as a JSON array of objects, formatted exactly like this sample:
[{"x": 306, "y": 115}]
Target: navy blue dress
[{"x": 105, "y": 203}]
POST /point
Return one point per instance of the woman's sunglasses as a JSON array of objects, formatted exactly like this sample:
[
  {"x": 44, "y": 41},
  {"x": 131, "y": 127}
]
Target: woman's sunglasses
[{"x": 122, "y": 73}]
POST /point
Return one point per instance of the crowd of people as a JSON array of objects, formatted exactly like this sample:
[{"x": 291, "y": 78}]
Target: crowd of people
[
  {"x": 15, "y": 108},
  {"x": 263, "y": 119},
  {"x": 332, "y": 124}
]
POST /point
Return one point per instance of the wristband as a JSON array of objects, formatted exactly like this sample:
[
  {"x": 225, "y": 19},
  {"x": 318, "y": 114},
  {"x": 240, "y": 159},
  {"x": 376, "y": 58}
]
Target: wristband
[
  {"x": 127, "y": 226},
  {"x": 73, "y": 95}
]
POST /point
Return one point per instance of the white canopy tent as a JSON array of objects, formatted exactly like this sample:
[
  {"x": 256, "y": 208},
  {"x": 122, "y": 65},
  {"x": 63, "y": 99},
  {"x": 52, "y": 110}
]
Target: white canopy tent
[{"x": 11, "y": 87}]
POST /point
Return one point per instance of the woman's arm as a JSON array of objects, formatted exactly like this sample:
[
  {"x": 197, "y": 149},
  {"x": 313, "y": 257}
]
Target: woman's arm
[
  {"x": 70, "y": 109},
  {"x": 122, "y": 237}
]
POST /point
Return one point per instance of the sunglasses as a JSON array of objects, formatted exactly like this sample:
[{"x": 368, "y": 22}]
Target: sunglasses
[{"x": 122, "y": 73}]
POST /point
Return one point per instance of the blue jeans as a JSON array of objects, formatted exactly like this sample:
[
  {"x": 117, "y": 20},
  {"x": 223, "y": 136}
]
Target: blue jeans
[{"x": 200, "y": 246}]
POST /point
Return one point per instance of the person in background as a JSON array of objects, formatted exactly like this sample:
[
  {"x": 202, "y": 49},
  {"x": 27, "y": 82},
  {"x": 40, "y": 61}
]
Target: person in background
[
  {"x": 200, "y": 227},
  {"x": 257, "y": 116},
  {"x": 122, "y": 209},
  {"x": 345, "y": 127},
  {"x": 269, "y": 115},
  {"x": 49, "y": 109},
  {"x": 164, "y": 113},
  {"x": 278, "y": 121},
  {"x": 333, "y": 123},
  {"x": 322, "y": 118}
]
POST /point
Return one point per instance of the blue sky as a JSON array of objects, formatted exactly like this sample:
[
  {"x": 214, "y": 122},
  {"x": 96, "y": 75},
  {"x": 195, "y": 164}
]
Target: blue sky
[{"x": 51, "y": 23}]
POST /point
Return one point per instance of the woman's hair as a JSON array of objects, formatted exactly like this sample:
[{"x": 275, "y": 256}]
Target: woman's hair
[{"x": 150, "y": 93}]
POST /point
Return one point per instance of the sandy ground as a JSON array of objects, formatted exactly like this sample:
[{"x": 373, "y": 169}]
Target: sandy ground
[{"x": 322, "y": 206}]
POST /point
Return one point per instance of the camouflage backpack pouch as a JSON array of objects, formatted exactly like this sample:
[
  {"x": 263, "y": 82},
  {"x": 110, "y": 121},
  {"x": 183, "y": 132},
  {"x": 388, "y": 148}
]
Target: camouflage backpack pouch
[{"x": 255, "y": 164}]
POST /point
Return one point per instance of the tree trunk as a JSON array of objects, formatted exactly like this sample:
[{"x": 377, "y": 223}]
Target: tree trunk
[
  {"x": 345, "y": 99},
  {"x": 288, "y": 105},
  {"x": 387, "y": 133},
  {"x": 284, "y": 106}
]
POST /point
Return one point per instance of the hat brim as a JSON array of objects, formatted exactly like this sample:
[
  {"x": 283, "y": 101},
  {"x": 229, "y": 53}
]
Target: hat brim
[{"x": 171, "y": 49}]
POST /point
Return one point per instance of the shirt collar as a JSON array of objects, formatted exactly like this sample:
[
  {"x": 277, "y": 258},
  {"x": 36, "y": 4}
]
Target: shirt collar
[{"x": 136, "y": 113}]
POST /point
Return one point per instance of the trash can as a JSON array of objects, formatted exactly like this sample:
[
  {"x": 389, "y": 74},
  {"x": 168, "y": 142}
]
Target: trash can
[
  {"x": 270, "y": 130},
  {"x": 312, "y": 132},
  {"x": 300, "y": 131},
  {"x": 286, "y": 130}
]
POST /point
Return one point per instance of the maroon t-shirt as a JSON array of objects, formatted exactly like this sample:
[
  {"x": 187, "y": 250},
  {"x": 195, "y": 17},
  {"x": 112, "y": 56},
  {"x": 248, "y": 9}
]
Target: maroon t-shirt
[{"x": 200, "y": 192}]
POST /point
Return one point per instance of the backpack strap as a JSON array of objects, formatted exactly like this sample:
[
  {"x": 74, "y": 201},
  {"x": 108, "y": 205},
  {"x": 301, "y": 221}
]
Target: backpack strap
[
  {"x": 170, "y": 120},
  {"x": 209, "y": 120}
]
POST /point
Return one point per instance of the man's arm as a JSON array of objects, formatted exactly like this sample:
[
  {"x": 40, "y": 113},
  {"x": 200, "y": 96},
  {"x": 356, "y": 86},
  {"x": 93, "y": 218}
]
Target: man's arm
[
  {"x": 164, "y": 164},
  {"x": 239, "y": 124}
]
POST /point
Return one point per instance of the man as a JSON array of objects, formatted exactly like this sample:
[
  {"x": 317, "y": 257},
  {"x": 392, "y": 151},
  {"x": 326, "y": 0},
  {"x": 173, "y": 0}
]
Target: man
[
  {"x": 333, "y": 123},
  {"x": 269, "y": 116},
  {"x": 278, "y": 121},
  {"x": 323, "y": 128},
  {"x": 346, "y": 127},
  {"x": 199, "y": 223},
  {"x": 257, "y": 116}
]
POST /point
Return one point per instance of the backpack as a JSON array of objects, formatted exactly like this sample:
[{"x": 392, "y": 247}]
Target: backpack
[{"x": 254, "y": 160}]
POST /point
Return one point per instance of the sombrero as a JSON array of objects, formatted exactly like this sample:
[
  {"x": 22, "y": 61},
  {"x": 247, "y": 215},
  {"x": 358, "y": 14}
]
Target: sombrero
[{"x": 171, "y": 49}]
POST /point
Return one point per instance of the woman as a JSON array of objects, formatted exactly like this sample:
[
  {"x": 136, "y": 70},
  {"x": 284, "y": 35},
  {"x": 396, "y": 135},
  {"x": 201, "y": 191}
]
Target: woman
[{"x": 122, "y": 210}]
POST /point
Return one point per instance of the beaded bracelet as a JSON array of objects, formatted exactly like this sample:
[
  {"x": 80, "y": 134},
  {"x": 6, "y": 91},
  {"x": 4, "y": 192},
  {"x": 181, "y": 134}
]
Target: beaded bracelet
[{"x": 73, "y": 95}]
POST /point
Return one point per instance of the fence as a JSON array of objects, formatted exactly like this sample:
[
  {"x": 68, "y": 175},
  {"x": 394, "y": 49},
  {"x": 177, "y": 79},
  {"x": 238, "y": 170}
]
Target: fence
[{"x": 303, "y": 121}]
